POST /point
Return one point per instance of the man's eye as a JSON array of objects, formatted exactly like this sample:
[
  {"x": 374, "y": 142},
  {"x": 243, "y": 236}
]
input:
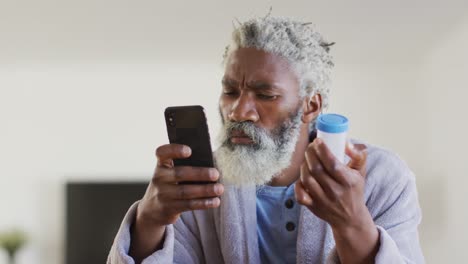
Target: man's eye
[
  {"x": 267, "y": 97},
  {"x": 229, "y": 93}
]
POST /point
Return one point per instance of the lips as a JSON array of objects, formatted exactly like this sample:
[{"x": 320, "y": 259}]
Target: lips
[{"x": 239, "y": 137}]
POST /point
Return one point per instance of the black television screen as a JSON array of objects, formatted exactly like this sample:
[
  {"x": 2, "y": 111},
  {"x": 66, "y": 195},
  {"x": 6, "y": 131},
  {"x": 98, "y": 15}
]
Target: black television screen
[{"x": 94, "y": 212}]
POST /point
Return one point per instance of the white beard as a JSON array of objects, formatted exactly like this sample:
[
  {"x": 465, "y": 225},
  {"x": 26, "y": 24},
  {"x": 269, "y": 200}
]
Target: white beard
[{"x": 257, "y": 164}]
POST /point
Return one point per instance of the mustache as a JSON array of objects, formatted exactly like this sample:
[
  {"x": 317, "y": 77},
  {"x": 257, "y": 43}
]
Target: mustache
[{"x": 246, "y": 127}]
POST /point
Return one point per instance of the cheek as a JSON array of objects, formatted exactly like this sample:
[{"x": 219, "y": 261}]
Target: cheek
[
  {"x": 276, "y": 113},
  {"x": 272, "y": 113},
  {"x": 223, "y": 107}
]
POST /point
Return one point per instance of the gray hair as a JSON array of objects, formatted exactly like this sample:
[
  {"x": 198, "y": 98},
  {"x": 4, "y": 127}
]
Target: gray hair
[{"x": 299, "y": 43}]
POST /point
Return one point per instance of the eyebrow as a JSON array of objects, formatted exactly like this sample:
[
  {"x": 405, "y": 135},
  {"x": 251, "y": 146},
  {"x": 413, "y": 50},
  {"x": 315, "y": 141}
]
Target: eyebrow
[
  {"x": 229, "y": 82},
  {"x": 260, "y": 85},
  {"x": 256, "y": 85}
]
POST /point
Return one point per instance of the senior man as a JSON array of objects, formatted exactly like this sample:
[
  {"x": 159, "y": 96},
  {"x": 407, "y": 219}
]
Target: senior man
[{"x": 281, "y": 196}]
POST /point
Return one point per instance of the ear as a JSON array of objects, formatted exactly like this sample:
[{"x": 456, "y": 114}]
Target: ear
[{"x": 312, "y": 107}]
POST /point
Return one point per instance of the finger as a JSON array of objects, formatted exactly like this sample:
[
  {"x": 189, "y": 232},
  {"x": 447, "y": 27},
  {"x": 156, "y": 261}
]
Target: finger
[
  {"x": 318, "y": 171},
  {"x": 311, "y": 186},
  {"x": 195, "y": 204},
  {"x": 332, "y": 165},
  {"x": 192, "y": 191},
  {"x": 167, "y": 153},
  {"x": 358, "y": 155},
  {"x": 302, "y": 196},
  {"x": 187, "y": 174}
]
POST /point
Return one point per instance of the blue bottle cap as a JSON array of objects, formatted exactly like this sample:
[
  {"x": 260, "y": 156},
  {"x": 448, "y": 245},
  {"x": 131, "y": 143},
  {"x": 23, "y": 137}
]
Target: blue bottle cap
[{"x": 332, "y": 123}]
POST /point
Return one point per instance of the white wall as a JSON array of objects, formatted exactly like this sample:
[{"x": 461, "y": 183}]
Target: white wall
[
  {"x": 443, "y": 82},
  {"x": 83, "y": 85}
]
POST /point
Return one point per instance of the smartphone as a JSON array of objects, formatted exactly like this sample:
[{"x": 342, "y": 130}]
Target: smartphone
[{"x": 187, "y": 125}]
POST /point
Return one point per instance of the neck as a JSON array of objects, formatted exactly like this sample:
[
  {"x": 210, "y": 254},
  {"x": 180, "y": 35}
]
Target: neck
[{"x": 292, "y": 173}]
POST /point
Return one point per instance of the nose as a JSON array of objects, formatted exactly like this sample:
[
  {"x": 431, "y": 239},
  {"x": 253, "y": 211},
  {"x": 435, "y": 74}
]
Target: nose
[{"x": 244, "y": 109}]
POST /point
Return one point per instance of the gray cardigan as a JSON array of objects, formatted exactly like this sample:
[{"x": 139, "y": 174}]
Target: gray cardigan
[{"x": 228, "y": 234}]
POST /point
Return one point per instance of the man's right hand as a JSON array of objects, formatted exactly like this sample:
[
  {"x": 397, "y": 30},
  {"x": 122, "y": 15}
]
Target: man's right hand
[{"x": 165, "y": 199}]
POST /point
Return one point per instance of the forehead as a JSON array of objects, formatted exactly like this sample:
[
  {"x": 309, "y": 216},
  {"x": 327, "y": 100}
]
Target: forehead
[{"x": 251, "y": 63}]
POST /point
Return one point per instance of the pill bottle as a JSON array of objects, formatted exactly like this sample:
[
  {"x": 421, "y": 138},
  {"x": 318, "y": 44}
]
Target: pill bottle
[{"x": 333, "y": 130}]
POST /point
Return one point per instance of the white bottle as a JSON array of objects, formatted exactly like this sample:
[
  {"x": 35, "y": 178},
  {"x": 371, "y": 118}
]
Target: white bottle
[{"x": 332, "y": 129}]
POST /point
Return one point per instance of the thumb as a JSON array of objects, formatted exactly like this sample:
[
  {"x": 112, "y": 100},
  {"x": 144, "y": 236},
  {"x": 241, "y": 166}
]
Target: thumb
[{"x": 358, "y": 155}]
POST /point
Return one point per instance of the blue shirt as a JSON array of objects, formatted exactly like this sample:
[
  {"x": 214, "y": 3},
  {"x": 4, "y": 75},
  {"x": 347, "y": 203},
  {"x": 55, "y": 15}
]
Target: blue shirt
[{"x": 277, "y": 222}]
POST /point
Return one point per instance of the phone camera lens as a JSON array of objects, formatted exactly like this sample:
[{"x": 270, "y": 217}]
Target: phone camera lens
[{"x": 171, "y": 120}]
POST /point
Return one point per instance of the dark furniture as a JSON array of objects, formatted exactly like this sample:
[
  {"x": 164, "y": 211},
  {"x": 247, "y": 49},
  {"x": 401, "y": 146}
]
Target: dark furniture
[{"x": 94, "y": 212}]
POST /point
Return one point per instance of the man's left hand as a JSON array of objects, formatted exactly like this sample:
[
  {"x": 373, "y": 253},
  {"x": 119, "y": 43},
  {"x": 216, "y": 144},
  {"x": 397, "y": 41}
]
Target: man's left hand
[{"x": 334, "y": 192}]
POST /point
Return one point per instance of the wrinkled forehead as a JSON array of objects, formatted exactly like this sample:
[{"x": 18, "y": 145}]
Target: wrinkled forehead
[{"x": 252, "y": 64}]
